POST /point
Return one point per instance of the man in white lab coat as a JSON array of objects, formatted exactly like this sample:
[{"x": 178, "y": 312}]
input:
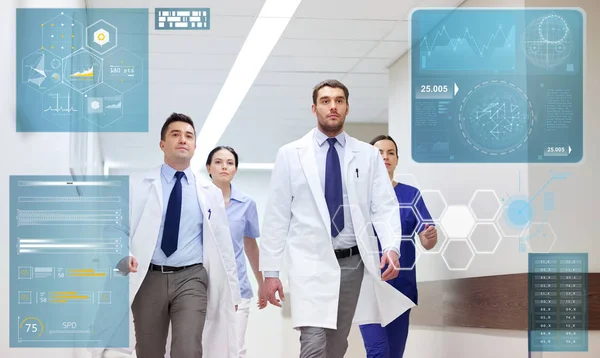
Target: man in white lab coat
[
  {"x": 327, "y": 192},
  {"x": 182, "y": 264}
]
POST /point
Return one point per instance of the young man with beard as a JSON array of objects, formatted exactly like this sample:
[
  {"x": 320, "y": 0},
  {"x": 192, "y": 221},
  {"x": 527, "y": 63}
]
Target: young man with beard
[{"x": 328, "y": 190}]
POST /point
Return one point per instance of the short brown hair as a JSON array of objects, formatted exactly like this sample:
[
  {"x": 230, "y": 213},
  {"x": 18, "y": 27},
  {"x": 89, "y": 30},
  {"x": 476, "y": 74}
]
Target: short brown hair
[
  {"x": 175, "y": 117},
  {"x": 332, "y": 84}
]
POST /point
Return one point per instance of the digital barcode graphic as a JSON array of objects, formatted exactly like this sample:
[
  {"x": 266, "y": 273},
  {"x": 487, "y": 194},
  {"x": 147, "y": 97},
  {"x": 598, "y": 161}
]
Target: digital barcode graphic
[{"x": 182, "y": 19}]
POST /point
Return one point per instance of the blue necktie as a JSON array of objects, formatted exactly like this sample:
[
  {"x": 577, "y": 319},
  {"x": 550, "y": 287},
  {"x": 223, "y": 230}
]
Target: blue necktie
[
  {"x": 171, "y": 228},
  {"x": 333, "y": 189}
]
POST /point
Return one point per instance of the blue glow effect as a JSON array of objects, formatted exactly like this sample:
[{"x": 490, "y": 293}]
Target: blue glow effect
[
  {"x": 82, "y": 70},
  {"x": 519, "y": 213},
  {"x": 66, "y": 237},
  {"x": 497, "y": 85}
]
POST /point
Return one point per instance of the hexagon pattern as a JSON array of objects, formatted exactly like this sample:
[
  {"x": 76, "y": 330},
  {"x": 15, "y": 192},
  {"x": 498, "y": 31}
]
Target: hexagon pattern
[
  {"x": 485, "y": 204},
  {"x": 340, "y": 212},
  {"x": 442, "y": 238},
  {"x": 407, "y": 179},
  {"x": 365, "y": 232},
  {"x": 458, "y": 221},
  {"x": 123, "y": 70},
  {"x": 104, "y": 105},
  {"x": 458, "y": 255},
  {"x": 485, "y": 238},
  {"x": 77, "y": 56},
  {"x": 82, "y": 70},
  {"x": 507, "y": 229},
  {"x": 435, "y": 202},
  {"x": 62, "y": 35},
  {"x": 414, "y": 214},
  {"x": 466, "y": 230},
  {"x": 539, "y": 237},
  {"x": 62, "y": 106},
  {"x": 101, "y": 37},
  {"x": 404, "y": 242},
  {"x": 41, "y": 70}
]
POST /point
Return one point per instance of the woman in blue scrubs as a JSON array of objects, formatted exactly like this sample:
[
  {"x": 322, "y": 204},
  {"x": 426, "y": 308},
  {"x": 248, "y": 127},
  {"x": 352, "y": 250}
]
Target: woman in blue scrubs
[
  {"x": 221, "y": 164},
  {"x": 390, "y": 341}
]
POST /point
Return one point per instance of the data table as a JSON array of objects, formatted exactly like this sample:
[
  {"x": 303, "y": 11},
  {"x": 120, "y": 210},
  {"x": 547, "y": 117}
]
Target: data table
[{"x": 558, "y": 302}]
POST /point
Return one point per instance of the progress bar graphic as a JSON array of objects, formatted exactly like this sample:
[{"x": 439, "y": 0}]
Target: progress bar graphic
[
  {"x": 68, "y": 217},
  {"x": 68, "y": 297},
  {"x": 75, "y": 246}
]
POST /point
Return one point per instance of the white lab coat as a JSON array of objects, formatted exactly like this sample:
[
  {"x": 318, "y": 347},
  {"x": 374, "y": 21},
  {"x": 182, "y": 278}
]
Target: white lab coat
[
  {"x": 297, "y": 219},
  {"x": 146, "y": 203}
]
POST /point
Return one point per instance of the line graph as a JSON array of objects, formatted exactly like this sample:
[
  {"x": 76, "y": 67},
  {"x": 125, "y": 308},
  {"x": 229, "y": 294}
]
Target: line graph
[
  {"x": 469, "y": 39},
  {"x": 465, "y": 41},
  {"x": 59, "y": 108}
]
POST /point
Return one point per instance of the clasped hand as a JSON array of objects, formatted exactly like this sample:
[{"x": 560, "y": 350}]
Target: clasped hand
[{"x": 391, "y": 259}]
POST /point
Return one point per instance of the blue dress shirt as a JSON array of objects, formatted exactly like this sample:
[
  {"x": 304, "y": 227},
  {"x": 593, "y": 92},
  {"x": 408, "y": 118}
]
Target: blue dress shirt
[
  {"x": 243, "y": 221},
  {"x": 189, "y": 247}
]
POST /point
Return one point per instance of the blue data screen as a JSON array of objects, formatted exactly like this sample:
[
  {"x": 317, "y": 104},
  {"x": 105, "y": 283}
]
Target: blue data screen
[
  {"x": 558, "y": 317},
  {"x": 82, "y": 70},
  {"x": 497, "y": 85},
  {"x": 66, "y": 238}
]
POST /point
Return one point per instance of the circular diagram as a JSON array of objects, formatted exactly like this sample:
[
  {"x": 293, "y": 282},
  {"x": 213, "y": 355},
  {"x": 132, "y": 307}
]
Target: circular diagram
[
  {"x": 496, "y": 117},
  {"x": 547, "y": 41},
  {"x": 30, "y": 327},
  {"x": 519, "y": 213}
]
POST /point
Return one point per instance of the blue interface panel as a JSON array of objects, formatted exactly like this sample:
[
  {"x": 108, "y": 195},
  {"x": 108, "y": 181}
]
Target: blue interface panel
[
  {"x": 66, "y": 238},
  {"x": 558, "y": 316},
  {"x": 82, "y": 70},
  {"x": 497, "y": 85}
]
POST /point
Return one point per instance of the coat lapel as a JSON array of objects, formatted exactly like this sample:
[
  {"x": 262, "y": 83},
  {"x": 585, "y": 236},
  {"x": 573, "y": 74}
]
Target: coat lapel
[
  {"x": 349, "y": 174},
  {"x": 154, "y": 177},
  {"x": 200, "y": 189},
  {"x": 145, "y": 234},
  {"x": 349, "y": 155},
  {"x": 309, "y": 166}
]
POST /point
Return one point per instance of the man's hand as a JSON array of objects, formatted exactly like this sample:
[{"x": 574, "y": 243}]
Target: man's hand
[
  {"x": 272, "y": 285},
  {"x": 262, "y": 296},
  {"x": 390, "y": 258},
  {"x": 133, "y": 264},
  {"x": 428, "y": 237}
]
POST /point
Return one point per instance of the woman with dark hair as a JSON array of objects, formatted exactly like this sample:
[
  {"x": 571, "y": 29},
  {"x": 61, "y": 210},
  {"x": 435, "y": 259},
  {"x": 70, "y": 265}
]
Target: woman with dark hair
[
  {"x": 390, "y": 341},
  {"x": 222, "y": 164}
]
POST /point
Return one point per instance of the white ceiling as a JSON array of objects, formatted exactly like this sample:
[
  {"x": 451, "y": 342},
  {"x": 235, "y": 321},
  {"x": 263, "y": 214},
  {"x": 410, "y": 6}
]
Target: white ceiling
[{"x": 350, "y": 40}]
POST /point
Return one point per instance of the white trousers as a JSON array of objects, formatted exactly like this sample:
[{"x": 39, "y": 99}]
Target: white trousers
[{"x": 241, "y": 318}]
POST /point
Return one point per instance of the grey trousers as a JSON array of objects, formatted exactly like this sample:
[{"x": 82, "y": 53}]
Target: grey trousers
[
  {"x": 317, "y": 342},
  {"x": 178, "y": 297}
]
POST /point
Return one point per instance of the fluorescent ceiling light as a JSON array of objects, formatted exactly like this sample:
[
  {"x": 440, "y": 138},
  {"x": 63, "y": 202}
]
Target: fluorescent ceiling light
[{"x": 266, "y": 31}]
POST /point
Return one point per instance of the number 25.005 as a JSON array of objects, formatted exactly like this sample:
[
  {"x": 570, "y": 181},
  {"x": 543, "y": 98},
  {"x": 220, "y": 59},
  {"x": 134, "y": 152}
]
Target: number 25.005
[{"x": 434, "y": 88}]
